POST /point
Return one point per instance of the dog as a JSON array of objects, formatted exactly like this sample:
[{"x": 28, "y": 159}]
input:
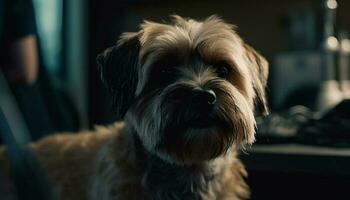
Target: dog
[{"x": 188, "y": 92}]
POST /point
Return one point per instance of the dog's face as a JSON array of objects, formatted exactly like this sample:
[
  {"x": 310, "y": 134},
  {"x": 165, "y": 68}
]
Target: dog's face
[{"x": 188, "y": 88}]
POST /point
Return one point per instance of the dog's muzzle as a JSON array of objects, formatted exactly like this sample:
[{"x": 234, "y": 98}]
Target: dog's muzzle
[
  {"x": 193, "y": 106},
  {"x": 205, "y": 98}
]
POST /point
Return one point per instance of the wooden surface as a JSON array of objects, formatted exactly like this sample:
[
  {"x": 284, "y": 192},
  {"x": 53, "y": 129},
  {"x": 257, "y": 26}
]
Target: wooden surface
[
  {"x": 298, "y": 149},
  {"x": 295, "y": 158}
]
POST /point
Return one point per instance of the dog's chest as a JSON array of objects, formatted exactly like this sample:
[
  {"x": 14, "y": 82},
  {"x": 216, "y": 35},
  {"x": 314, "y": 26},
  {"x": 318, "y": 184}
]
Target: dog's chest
[
  {"x": 122, "y": 174},
  {"x": 154, "y": 182},
  {"x": 164, "y": 182},
  {"x": 158, "y": 187}
]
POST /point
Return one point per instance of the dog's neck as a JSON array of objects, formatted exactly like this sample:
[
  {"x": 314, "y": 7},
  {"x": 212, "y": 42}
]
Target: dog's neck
[{"x": 164, "y": 180}]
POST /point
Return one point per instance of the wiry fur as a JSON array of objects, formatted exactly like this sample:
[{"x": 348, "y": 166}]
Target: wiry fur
[{"x": 168, "y": 147}]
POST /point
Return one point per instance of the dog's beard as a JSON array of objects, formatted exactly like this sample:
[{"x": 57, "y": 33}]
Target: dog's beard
[{"x": 178, "y": 132}]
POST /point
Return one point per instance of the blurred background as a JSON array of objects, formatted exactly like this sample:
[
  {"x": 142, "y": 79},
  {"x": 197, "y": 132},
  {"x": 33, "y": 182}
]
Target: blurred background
[{"x": 49, "y": 82}]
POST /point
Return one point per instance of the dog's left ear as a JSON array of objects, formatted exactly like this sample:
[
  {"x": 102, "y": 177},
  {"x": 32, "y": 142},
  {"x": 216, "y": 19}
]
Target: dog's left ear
[
  {"x": 259, "y": 68},
  {"x": 118, "y": 66}
]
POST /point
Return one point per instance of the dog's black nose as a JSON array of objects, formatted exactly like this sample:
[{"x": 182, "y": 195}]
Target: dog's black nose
[{"x": 207, "y": 97}]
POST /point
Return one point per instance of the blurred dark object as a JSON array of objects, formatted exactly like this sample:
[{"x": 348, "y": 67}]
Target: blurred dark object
[
  {"x": 344, "y": 63},
  {"x": 333, "y": 129},
  {"x": 295, "y": 79},
  {"x": 300, "y": 125},
  {"x": 296, "y": 72},
  {"x": 303, "y": 29},
  {"x": 282, "y": 127},
  {"x": 2, "y": 16},
  {"x": 17, "y": 21},
  {"x": 329, "y": 93},
  {"x": 308, "y": 73}
]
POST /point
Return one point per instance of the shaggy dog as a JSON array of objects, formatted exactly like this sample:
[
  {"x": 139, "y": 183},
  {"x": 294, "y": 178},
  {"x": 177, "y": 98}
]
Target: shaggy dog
[{"x": 187, "y": 92}]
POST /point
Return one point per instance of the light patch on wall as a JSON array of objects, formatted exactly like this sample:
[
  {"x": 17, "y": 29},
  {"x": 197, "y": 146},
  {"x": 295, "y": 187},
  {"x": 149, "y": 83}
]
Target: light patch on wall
[{"x": 49, "y": 19}]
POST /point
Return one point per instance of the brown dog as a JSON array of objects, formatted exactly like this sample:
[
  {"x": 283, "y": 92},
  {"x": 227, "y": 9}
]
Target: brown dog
[{"x": 187, "y": 92}]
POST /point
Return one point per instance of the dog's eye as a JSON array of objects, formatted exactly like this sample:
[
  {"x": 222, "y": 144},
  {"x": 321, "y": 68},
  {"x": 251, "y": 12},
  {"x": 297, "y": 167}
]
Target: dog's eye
[
  {"x": 167, "y": 74},
  {"x": 222, "y": 69},
  {"x": 167, "y": 71}
]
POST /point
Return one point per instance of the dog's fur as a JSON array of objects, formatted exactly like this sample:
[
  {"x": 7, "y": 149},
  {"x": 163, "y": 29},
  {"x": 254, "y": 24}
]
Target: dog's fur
[{"x": 171, "y": 144}]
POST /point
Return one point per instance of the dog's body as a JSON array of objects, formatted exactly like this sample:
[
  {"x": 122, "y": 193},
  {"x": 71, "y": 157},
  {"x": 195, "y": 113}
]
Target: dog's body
[
  {"x": 187, "y": 91},
  {"x": 99, "y": 165}
]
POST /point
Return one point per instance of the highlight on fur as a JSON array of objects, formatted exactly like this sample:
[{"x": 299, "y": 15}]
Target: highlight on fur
[{"x": 187, "y": 92}]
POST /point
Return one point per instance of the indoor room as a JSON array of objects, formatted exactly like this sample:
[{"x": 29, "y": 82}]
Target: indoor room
[{"x": 183, "y": 99}]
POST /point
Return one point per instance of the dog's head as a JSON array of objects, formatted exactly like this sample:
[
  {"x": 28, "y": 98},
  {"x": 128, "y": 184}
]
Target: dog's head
[{"x": 188, "y": 88}]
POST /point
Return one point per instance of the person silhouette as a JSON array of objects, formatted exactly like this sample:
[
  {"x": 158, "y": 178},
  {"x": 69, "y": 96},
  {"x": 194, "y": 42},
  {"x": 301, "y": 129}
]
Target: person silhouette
[{"x": 18, "y": 46}]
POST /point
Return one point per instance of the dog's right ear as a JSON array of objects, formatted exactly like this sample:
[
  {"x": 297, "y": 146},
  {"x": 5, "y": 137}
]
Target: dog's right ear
[{"x": 118, "y": 67}]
